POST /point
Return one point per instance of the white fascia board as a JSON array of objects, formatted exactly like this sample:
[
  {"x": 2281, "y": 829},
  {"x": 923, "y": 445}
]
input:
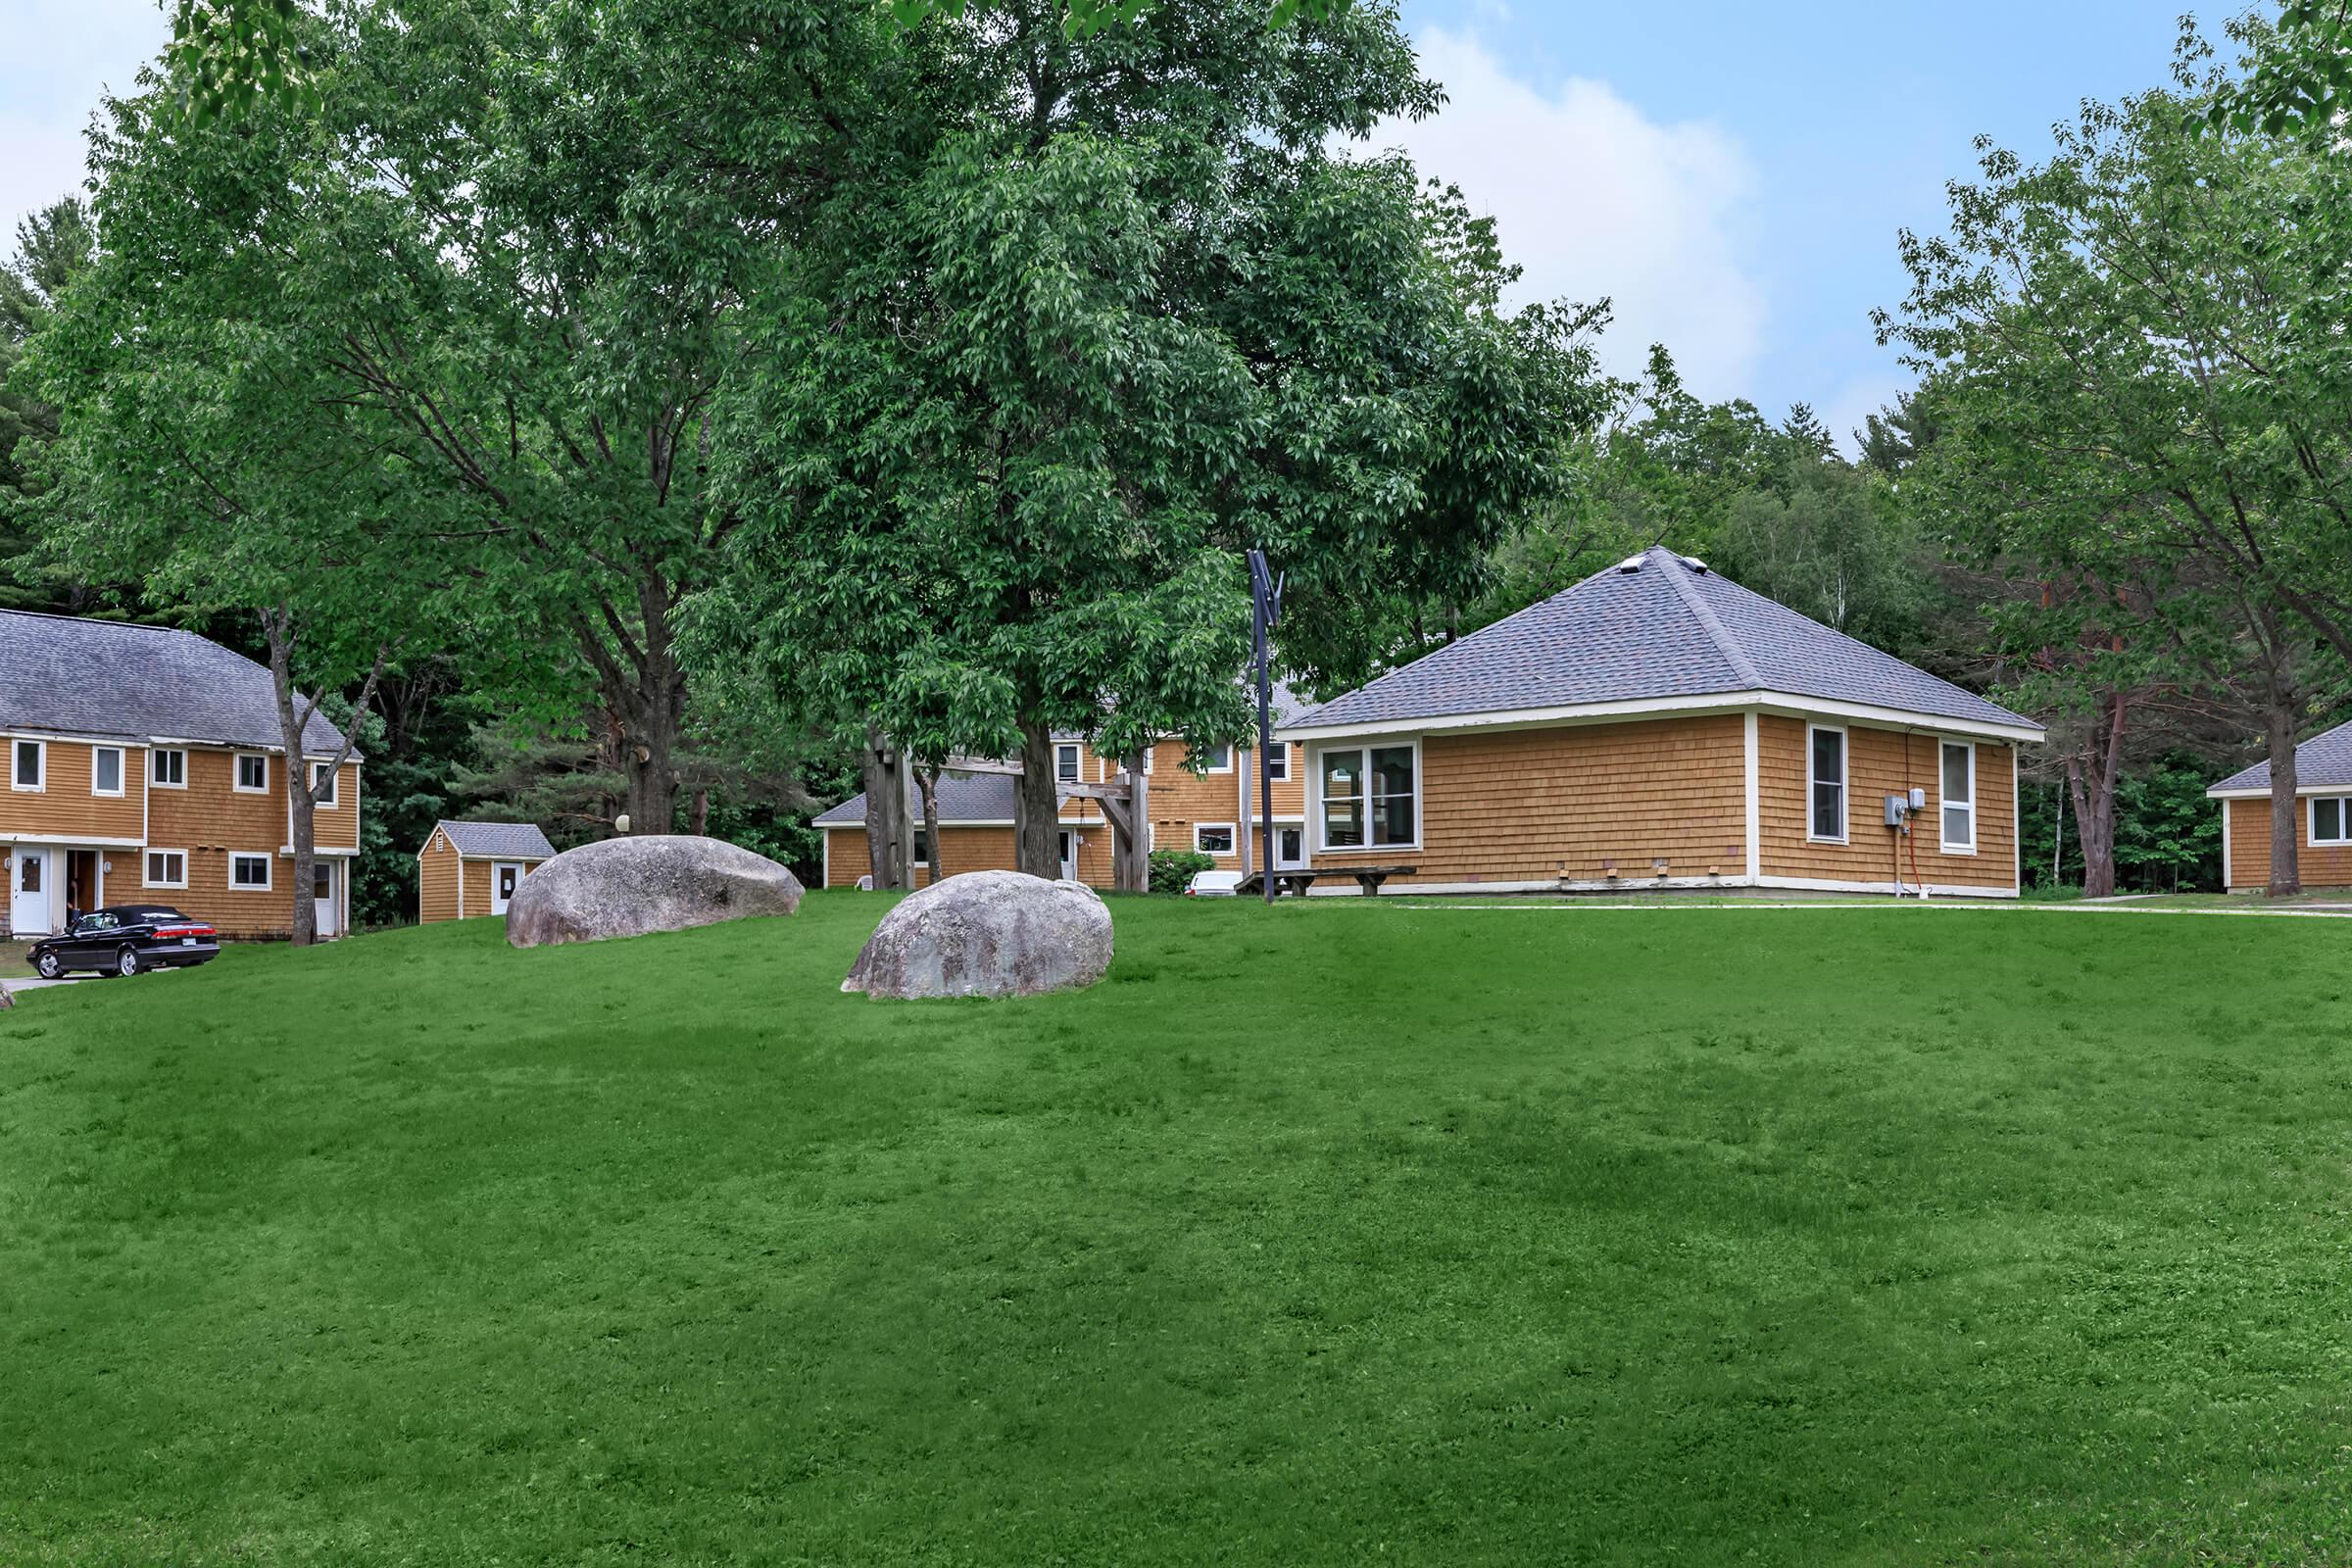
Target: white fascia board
[{"x": 1786, "y": 703}]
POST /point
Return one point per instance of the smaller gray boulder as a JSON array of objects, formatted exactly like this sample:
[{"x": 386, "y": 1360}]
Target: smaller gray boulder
[
  {"x": 987, "y": 934},
  {"x": 631, "y": 886}
]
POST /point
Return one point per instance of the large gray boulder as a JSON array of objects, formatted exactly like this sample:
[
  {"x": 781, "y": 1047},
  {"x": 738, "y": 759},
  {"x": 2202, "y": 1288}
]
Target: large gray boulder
[
  {"x": 987, "y": 934},
  {"x": 628, "y": 887}
]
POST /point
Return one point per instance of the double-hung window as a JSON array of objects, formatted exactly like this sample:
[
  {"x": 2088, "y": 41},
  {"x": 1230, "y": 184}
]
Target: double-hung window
[
  {"x": 1959, "y": 798},
  {"x": 168, "y": 767},
  {"x": 1825, "y": 785},
  {"x": 106, "y": 770},
  {"x": 322, "y": 783},
  {"x": 253, "y": 773},
  {"x": 1371, "y": 798},
  {"x": 30, "y": 769},
  {"x": 2331, "y": 819},
  {"x": 1066, "y": 763}
]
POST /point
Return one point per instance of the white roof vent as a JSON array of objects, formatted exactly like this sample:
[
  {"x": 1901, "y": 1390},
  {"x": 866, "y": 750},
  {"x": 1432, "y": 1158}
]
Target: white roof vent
[
  {"x": 1629, "y": 563},
  {"x": 1694, "y": 563}
]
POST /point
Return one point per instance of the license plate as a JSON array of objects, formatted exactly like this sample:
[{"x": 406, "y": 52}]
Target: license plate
[{"x": 187, "y": 942}]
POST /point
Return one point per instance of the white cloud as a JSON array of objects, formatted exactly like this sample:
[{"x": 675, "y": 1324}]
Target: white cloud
[{"x": 1593, "y": 198}]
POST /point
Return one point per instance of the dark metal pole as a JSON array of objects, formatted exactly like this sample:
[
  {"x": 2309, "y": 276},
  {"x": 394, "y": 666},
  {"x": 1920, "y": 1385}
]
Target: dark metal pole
[{"x": 1265, "y": 605}]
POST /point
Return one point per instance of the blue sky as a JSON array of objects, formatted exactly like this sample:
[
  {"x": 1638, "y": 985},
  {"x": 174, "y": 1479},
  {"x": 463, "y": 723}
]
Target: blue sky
[
  {"x": 1734, "y": 174},
  {"x": 1732, "y": 178}
]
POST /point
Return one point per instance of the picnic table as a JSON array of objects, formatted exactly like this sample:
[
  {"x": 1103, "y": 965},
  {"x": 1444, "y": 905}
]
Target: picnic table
[{"x": 1298, "y": 879}]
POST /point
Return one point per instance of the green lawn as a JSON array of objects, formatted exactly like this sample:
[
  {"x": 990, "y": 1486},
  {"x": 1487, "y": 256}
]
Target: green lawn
[{"x": 1325, "y": 1234}]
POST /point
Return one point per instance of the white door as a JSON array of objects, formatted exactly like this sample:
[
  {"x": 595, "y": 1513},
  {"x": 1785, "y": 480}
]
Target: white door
[
  {"x": 1069, "y": 855},
  {"x": 28, "y": 902},
  {"x": 504, "y": 877},
  {"x": 323, "y": 898},
  {"x": 1290, "y": 848}
]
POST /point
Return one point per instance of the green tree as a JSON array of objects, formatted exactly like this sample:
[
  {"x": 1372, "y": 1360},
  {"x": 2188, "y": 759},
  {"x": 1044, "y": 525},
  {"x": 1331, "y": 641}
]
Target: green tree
[
  {"x": 2131, "y": 413},
  {"x": 53, "y": 246},
  {"x": 1101, "y": 314}
]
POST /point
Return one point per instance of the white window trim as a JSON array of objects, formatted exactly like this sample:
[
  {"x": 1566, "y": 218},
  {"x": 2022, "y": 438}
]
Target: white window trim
[
  {"x": 40, "y": 749},
  {"x": 155, "y": 760},
  {"x": 1278, "y": 761},
  {"x": 1845, "y": 785},
  {"x": 1951, "y": 846},
  {"x": 268, "y": 871},
  {"x": 1212, "y": 767},
  {"x": 1318, "y": 839},
  {"x": 1233, "y": 840},
  {"x": 236, "y": 775},
  {"x": 2311, "y": 821},
  {"x": 334, "y": 786},
  {"x": 1077, "y": 774},
  {"x": 147, "y": 867},
  {"x": 121, "y": 774}
]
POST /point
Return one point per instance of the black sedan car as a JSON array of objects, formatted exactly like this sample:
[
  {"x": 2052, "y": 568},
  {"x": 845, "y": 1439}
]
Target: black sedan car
[{"x": 124, "y": 939}]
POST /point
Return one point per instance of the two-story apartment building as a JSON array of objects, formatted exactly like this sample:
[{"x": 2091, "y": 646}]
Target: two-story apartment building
[
  {"x": 1211, "y": 810},
  {"x": 143, "y": 763}
]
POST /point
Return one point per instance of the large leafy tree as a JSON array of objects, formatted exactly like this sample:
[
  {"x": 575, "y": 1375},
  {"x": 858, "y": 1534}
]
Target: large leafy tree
[
  {"x": 2135, "y": 408},
  {"x": 53, "y": 248},
  {"x": 1097, "y": 315},
  {"x": 504, "y": 254}
]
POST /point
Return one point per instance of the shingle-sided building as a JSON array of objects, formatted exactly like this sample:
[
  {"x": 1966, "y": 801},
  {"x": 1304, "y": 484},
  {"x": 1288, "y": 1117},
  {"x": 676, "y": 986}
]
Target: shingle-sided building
[
  {"x": 146, "y": 765},
  {"x": 2323, "y": 816},
  {"x": 468, "y": 869},
  {"x": 1656, "y": 725},
  {"x": 1214, "y": 811}
]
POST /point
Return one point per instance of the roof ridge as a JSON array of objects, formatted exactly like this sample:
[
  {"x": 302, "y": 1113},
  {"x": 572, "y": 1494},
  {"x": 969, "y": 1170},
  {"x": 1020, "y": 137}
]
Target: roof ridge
[{"x": 1679, "y": 574}]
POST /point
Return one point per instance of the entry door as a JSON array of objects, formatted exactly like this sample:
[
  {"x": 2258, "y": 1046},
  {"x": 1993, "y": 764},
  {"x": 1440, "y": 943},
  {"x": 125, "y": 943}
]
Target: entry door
[
  {"x": 1290, "y": 848},
  {"x": 1069, "y": 855},
  {"x": 28, "y": 904},
  {"x": 323, "y": 898},
  {"x": 504, "y": 877}
]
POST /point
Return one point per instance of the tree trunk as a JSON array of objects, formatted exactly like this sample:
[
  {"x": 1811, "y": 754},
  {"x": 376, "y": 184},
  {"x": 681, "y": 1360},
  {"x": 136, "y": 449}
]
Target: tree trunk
[
  {"x": 294, "y": 717},
  {"x": 1034, "y": 849},
  {"x": 926, "y": 779},
  {"x": 2094, "y": 789},
  {"x": 698, "y": 815},
  {"x": 644, "y": 691},
  {"x": 2286, "y": 866},
  {"x": 885, "y": 807}
]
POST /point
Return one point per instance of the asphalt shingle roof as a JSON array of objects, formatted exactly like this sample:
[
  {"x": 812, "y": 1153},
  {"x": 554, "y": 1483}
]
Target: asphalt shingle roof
[
  {"x": 111, "y": 678},
  {"x": 1667, "y": 627},
  {"x": 517, "y": 841},
  {"x": 962, "y": 797},
  {"x": 2322, "y": 761}
]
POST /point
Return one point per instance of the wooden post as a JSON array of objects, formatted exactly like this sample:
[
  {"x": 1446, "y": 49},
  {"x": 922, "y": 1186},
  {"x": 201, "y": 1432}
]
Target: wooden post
[{"x": 1139, "y": 817}]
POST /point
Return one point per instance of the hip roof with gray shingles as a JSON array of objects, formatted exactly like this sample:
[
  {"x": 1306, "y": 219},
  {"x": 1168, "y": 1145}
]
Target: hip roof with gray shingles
[
  {"x": 110, "y": 678},
  {"x": 509, "y": 841},
  {"x": 1655, "y": 626},
  {"x": 2324, "y": 762}
]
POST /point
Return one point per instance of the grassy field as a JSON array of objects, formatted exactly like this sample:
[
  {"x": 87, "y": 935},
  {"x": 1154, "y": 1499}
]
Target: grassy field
[{"x": 1333, "y": 1234}]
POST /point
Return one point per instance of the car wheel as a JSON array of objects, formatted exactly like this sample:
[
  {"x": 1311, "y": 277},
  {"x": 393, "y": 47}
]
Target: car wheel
[
  {"x": 126, "y": 963},
  {"x": 48, "y": 966}
]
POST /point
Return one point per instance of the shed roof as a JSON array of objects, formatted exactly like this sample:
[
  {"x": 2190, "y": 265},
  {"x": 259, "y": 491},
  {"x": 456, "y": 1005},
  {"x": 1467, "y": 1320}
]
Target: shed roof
[
  {"x": 1657, "y": 626},
  {"x": 514, "y": 841},
  {"x": 71, "y": 675}
]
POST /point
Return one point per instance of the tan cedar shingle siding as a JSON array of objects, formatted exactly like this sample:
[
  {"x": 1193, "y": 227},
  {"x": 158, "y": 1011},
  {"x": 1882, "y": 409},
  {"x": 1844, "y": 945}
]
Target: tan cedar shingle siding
[
  {"x": 2323, "y": 865},
  {"x": 1178, "y": 800},
  {"x": 1537, "y": 805},
  {"x": 1880, "y": 763},
  {"x": 437, "y": 880},
  {"x": 211, "y": 820},
  {"x": 65, "y": 807}
]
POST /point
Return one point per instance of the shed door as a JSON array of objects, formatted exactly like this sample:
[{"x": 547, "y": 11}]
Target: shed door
[{"x": 504, "y": 877}]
